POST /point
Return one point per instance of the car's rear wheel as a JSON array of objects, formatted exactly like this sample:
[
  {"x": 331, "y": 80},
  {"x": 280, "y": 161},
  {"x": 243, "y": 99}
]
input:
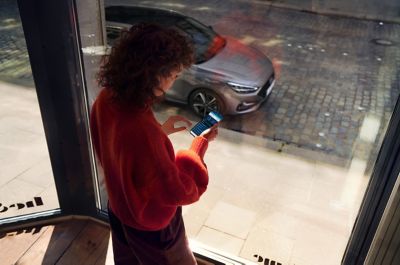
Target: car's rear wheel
[{"x": 202, "y": 101}]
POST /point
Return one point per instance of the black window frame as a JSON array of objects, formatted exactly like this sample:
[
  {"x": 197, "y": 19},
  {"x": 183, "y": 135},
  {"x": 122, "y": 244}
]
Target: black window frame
[{"x": 53, "y": 42}]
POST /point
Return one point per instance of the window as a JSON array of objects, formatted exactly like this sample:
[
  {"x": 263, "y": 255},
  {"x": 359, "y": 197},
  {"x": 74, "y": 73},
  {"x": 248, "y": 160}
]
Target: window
[
  {"x": 307, "y": 98},
  {"x": 26, "y": 176}
]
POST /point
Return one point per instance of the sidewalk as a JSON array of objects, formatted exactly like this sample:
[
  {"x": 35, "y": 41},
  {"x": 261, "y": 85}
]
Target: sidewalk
[
  {"x": 25, "y": 170},
  {"x": 256, "y": 201},
  {"x": 272, "y": 204}
]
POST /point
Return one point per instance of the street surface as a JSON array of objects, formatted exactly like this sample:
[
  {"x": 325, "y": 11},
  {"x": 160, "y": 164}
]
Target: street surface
[
  {"x": 334, "y": 73},
  {"x": 14, "y": 60}
]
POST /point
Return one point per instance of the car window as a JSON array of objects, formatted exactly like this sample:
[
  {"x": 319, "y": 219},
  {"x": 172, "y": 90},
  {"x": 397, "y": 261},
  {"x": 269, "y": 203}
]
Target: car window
[
  {"x": 161, "y": 20},
  {"x": 206, "y": 41},
  {"x": 134, "y": 15}
]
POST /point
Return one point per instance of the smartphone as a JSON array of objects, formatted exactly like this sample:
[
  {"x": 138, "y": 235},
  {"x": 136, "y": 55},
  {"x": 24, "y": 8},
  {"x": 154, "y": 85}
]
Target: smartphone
[{"x": 212, "y": 118}]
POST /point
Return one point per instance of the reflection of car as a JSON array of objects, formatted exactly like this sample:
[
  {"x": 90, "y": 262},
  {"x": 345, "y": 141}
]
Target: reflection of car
[{"x": 227, "y": 76}]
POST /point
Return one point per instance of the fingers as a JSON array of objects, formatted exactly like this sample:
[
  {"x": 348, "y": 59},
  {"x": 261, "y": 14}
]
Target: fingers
[
  {"x": 178, "y": 129},
  {"x": 211, "y": 133},
  {"x": 214, "y": 133},
  {"x": 177, "y": 118},
  {"x": 175, "y": 123},
  {"x": 214, "y": 127},
  {"x": 206, "y": 132},
  {"x": 188, "y": 123}
]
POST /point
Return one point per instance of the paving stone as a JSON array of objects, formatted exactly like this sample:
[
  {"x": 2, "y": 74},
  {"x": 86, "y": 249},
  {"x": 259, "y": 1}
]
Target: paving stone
[{"x": 315, "y": 77}]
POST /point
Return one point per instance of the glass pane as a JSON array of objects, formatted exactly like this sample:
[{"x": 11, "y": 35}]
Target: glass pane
[
  {"x": 93, "y": 48},
  {"x": 26, "y": 177},
  {"x": 307, "y": 97}
]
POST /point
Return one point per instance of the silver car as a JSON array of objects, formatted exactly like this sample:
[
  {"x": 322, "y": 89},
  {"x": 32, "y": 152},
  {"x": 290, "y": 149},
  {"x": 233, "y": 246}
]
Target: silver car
[{"x": 227, "y": 76}]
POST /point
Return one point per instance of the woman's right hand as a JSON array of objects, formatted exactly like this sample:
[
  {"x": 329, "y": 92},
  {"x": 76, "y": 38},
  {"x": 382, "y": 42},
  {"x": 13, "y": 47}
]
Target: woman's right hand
[{"x": 210, "y": 134}]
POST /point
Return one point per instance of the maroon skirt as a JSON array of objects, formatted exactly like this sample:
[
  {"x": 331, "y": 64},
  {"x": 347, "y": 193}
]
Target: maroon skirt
[{"x": 163, "y": 247}]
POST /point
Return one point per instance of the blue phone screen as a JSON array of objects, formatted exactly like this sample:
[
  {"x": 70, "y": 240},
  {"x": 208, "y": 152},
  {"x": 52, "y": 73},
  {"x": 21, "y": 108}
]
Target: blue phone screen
[{"x": 211, "y": 119}]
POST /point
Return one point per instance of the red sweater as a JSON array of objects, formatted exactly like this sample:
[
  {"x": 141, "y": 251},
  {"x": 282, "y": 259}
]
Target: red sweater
[{"x": 145, "y": 181}]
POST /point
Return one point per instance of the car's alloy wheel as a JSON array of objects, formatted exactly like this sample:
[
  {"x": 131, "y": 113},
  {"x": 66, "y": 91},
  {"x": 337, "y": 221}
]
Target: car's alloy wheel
[{"x": 202, "y": 101}]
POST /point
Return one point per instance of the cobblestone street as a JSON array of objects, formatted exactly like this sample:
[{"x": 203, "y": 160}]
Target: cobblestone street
[
  {"x": 333, "y": 72},
  {"x": 14, "y": 60},
  {"x": 332, "y": 76}
]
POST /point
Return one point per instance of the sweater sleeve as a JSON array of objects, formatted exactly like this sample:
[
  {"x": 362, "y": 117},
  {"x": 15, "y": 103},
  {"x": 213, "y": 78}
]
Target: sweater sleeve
[{"x": 176, "y": 180}]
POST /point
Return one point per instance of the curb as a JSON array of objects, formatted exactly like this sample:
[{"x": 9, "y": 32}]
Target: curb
[{"x": 327, "y": 13}]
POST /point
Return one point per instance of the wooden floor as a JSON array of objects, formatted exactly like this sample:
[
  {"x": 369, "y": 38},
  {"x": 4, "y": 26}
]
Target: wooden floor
[{"x": 70, "y": 242}]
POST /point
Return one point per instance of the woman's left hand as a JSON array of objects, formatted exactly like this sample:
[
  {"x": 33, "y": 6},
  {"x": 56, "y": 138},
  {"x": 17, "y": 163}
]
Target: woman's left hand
[{"x": 169, "y": 126}]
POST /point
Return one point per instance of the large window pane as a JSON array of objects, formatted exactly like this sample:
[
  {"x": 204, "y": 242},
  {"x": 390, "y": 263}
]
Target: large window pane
[
  {"x": 286, "y": 179},
  {"x": 26, "y": 177}
]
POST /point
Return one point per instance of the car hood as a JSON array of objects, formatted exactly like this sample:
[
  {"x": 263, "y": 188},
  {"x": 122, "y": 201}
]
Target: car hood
[{"x": 239, "y": 63}]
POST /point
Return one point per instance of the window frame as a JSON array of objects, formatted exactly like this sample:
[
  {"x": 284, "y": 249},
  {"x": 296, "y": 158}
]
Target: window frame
[{"x": 52, "y": 34}]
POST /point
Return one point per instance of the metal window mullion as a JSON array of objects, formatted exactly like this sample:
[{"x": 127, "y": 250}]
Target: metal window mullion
[{"x": 50, "y": 30}]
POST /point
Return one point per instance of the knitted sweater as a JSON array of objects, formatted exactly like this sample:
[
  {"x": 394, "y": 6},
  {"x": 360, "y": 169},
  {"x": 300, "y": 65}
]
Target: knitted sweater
[{"x": 145, "y": 180}]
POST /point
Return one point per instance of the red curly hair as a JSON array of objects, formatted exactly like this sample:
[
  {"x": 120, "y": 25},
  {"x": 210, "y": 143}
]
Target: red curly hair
[{"x": 139, "y": 58}]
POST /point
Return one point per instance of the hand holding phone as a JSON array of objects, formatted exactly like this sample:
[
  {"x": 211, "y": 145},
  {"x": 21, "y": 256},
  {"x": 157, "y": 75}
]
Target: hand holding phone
[
  {"x": 211, "y": 133},
  {"x": 170, "y": 126},
  {"x": 208, "y": 126}
]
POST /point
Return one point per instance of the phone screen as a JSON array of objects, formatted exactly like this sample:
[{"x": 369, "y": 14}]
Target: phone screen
[{"x": 212, "y": 118}]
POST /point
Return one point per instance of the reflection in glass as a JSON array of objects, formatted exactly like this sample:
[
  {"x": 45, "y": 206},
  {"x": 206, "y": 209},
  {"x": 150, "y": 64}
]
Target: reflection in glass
[
  {"x": 207, "y": 42},
  {"x": 287, "y": 179}
]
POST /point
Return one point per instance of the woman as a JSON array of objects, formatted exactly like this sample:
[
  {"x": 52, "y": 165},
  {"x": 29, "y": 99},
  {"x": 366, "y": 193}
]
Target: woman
[{"x": 146, "y": 182}]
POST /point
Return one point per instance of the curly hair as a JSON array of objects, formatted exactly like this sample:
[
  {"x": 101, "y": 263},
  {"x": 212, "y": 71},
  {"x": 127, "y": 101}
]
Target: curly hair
[{"x": 142, "y": 55}]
